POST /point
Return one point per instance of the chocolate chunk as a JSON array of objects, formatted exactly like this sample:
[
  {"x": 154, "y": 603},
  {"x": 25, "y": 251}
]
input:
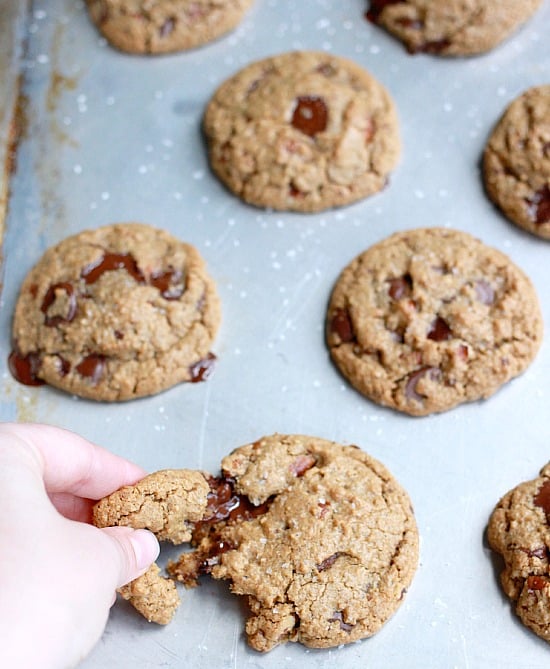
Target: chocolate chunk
[
  {"x": 169, "y": 282},
  {"x": 223, "y": 503},
  {"x": 202, "y": 369},
  {"x": 377, "y": 7},
  {"x": 25, "y": 368},
  {"x": 310, "y": 115},
  {"x": 341, "y": 325},
  {"x": 92, "y": 367},
  {"x": 400, "y": 287},
  {"x": 410, "y": 388},
  {"x": 302, "y": 463},
  {"x": 68, "y": 304},
  {"x": 542, "y": 499},
  {"x": 338, "y": 616},
  {"x": 539, "y": 206},
  {"x": 110, "y": 262},
  {"x": 536, "y": 583},
  {"x": 440, "y": 330}
]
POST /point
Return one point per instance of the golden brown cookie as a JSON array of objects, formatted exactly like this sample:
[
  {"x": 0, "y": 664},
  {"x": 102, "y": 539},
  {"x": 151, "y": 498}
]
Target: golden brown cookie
[
  {"x": 451, "y": 27},
  {"x": 430, "y": 318},
  {"x": 516, "y": 162},
  {"x": 154, "y": 596},
  {"x": 116, "y": 313},
  {"x": 302, "y": 131},
  {"x": 519, "y": 529},
  {"x": 168, "y": 503},
  {"x": 319, "y": 537},
  {"x": 161, "y": 26}
]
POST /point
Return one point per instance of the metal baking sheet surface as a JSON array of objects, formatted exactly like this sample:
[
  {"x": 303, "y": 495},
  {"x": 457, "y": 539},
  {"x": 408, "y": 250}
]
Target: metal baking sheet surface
[{"x": 111, "y": 137}]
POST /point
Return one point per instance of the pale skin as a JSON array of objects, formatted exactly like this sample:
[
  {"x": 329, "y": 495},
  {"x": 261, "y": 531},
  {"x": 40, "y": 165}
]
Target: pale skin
[{"x": 58, "y": 573}]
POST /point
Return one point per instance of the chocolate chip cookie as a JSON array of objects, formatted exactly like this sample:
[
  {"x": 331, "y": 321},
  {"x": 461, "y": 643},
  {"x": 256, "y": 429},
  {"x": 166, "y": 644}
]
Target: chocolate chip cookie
[
  {"x": 451, "y": 27},
  {"x": 516, "y": 162},
  {"x": 519, "y": 529},
  {"x": 430, "y": 318},
  {"x": 119, "y": 312},
  {"x": 161, "y": 26},
  {"x": 168, "y": 503},
  {"x": 319, "y": 537},
  {"x": 302, "y": 131}
]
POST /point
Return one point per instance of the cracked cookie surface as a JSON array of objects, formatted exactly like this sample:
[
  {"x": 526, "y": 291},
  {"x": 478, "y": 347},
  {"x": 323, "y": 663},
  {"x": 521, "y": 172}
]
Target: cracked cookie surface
[
  {"x": 516, "y": 162},
  {"x": 519, "y": 529},
  {"x": 324, "y": 549},
  {"x": 451, "y": 27},
  {"x": 115, "y": 313},
  {"x": 162, "y": 26},
  {"x": 430, "y": 318},
  {"x": 302, "y": 131}
]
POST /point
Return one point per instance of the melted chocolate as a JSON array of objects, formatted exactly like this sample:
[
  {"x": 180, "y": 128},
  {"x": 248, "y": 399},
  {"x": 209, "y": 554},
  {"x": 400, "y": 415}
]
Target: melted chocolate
[
  {"x": 49, "y": 299},
  {"x": 310, "y": 115},
  {"x": 400, "y": 287},
  {"x": 341, "y": 325},
  {"x": 539, "y": 206},
  {"x": 302, "y": 463},
  {"x": 377, "y": 7},
  {"x": 202, "y": 370},
  {"x": 169, "y": 283},
  {"x": 92, "y": 367},
  {"x": 338, "y": 617},
  {"x": 223, "y": 503},
  {"x": 25, "y": 368},
  {"x": 110, "y": 262},
  {"x": 440, "y": 330},
  {"x": 535, "y": 583},
  {"x": 415, "y": 377}
]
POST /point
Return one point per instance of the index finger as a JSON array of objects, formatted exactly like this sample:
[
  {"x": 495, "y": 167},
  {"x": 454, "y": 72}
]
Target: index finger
[{"x": 71, "y": 464}]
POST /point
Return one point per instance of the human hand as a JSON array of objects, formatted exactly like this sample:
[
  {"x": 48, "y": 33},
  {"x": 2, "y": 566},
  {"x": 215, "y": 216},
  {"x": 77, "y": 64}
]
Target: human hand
[{"x": 58, "y": 573}]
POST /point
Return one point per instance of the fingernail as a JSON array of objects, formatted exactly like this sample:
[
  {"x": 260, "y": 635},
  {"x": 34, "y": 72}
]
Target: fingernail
[{"x": 146, "y": 548}]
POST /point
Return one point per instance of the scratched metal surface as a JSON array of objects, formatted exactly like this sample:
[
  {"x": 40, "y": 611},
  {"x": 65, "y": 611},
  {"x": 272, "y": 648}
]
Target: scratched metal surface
[{"x": 111, "y": 137}]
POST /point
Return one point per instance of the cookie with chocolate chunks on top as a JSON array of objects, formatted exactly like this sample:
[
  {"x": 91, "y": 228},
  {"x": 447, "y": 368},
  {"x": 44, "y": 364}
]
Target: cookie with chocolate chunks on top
[
  {"x": 302, "y": 131},
  {"x": 164, "y": 26},
  {"x": 516, "y": 162},
  {"x": 116, "y": 313},
  {"x": 318, "y": 536},
  {"x": 430, "y": 318},
  {"x": 451, "y": 27},
  {"x": 519, "y": 530}
]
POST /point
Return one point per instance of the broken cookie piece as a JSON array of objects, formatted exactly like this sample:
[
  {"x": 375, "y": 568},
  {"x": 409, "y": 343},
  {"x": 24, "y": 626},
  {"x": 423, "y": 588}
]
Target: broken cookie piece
[
  {"x": 154, "y": 596},
  {"x": 168, "y": 503}
]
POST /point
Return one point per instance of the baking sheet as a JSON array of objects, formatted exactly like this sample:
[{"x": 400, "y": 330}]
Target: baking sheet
[{"x": 111, "y": 137}]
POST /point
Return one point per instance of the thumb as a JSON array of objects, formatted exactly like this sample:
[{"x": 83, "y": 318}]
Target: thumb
[{"x": 137, "y": 550}]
